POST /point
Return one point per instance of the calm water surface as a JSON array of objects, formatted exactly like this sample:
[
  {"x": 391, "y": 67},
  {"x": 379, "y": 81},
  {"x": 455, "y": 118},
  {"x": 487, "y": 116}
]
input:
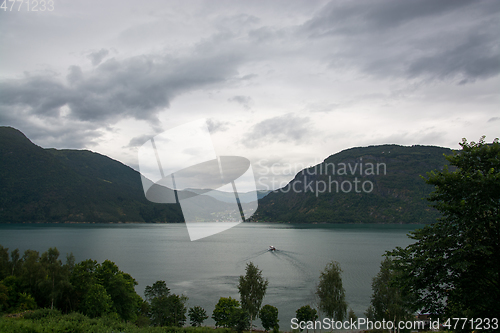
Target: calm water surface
[{"x": 209, "y": 268}]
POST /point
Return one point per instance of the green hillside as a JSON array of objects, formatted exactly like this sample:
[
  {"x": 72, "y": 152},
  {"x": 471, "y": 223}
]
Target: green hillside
[
  {"x": 49, "y": 185},
  {"x": 394, "y": 194}
]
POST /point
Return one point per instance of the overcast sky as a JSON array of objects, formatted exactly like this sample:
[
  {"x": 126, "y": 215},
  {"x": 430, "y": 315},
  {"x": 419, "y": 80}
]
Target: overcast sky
[{"x": 279, "y": 81}]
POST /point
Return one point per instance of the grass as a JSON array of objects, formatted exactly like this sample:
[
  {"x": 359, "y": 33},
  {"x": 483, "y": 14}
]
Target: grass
[{"x": 46, "y": 320}]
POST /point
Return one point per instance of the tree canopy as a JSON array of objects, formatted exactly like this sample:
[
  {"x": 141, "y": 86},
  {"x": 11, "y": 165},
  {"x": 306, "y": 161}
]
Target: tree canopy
[
  {"x": 165, "y": 309},
  {"x": 453, "y": 266},
  {"x": 43, "y": 281},
  {"x": 223, "y": 310},
  {"x": 197, "y": 315},
  {"x": 387, "y": 302},
  {"x": 331, "y": 293},
  {"x": 252, "y": 288},
  {"x": 269, "y": 317},
  {"x": 306, "y": 313}
]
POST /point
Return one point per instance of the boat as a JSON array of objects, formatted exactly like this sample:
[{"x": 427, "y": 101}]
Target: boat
[{"x": 271, "y": 248}]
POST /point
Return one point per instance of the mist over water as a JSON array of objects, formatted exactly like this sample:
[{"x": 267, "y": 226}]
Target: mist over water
[{"x": 209, "y": 268}]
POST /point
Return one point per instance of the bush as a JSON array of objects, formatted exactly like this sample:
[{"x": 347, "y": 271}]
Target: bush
[{"x": 42, "y": 313}]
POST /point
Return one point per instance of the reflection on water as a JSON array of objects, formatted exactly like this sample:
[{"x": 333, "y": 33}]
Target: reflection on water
[{"x": 209, "y": 268}]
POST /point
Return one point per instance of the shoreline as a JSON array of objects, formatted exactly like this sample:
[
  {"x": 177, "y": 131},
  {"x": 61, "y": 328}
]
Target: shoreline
[{"x": 263, "y": 222}]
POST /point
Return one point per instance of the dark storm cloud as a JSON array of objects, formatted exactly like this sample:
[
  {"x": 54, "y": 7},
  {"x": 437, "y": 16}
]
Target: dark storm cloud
[
  {"x": 493, "y": 119},
  {"x": 432, "y": 39},
  {"x": 286, "y": 128},
  {"x": 369, "y": 16},
  {"x": 55, "y": 133},
  {"x": 137, "y": 87},
  {"x": 97, "y": 57}
]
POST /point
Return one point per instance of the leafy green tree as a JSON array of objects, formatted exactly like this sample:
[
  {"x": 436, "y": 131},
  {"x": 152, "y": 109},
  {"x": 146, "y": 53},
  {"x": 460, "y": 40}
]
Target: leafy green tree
[
  {"x": 143, "y": 317},
  {"x": 158, "y": 289},
  {"x": 168, "y": 310},
  {"x": 32, "y": 274},
  {"x": 331, "y": 293},
  {"x": 15, "y": 262},
  {"x": 12, "y": 293},
  {"x": 240, "y": 320},
  {"x": 4, "y": 262},
  {"x": 120, "y": 287},
  {"x": 26, "y": 302},
  {"x": 351, "y": 316},
  {"x": 55, "y": 274},
  {"x": 306, "y": 313},
  {"x": 269, "y": 317},
  {"x": 252, "y": 288},
  {"x": 82, "y": 278},
  {"x": 96, "y": 302},
  {"x": 178, "y": 310},
  {"x": 165, "y": 309},
  {"x": 453, "y": 266},
  {"x": 197, "y": 315},
  {"x": 223, "y": 310},
  {"x": 387, "y": 302},
  {"x": 4, "y": 297},
  {"x": 66, "y": 291}
]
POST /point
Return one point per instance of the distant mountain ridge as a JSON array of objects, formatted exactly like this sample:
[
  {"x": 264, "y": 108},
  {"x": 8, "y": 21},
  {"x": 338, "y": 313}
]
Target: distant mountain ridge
[
  {"x": 332, "y": 191},
  {"x": 50, "y": 185},
  {"x": 229, "y": 196}
]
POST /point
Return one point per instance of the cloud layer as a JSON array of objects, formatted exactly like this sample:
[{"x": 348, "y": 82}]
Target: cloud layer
[{"x": 318, "y": 75}]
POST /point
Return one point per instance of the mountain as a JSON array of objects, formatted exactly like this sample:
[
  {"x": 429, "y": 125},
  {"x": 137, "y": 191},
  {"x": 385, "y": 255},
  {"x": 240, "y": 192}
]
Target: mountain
[
  {"x": 375, "y": 184},
  {"x": 49, "y": 185},
  {"x": 244, "y": 197}
]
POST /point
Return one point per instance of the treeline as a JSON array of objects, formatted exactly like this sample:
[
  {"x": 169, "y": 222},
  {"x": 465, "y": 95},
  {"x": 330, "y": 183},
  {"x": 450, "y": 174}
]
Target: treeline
[
  {"x": 88, "y": 291},
  {"x": 34, "y": 281},
  {"x": 92, "y": 290}
]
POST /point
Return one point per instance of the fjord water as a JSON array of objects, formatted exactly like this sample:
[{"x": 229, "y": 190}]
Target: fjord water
[{"x": 207, "y": 269}]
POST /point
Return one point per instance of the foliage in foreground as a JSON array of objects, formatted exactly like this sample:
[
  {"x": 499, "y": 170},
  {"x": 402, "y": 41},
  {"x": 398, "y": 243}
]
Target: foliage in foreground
[
  {"x": 387, "y": 302},
  {"x": 252, "y": 287},
  {"x": 35, "y": 281},
  {"x": 46, "y": 320},
  {"x": 331, "y": 293},
  {"x": 453, "y": 267},
  {"x": 269, "y": 317}
]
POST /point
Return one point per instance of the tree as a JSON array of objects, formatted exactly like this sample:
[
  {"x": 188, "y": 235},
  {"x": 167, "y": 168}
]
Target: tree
[
  {"x": 305, "y": 314},
  {"x": 165, "y": 309},
  {"x": 120, "y": 287},
  {"x": 55, "y": 274},
  {"x": 4, "y": 262},
  {"x": 269, "y": 317},
  {"x": 387, "y": 302},
  {"x": 177, "y": 310},
  {"x": 197, "y": 315},
  {"x": 158, "y": 289},
  {"x": 252, "y": 288},
  {"x": 331, "y": 293},
  {"x": 223, "y": 310},
  {"x": 82, "y": 278},
  {"x": 96, "y": 301},
  {"x": 351, "y": 316},
  {"x": 15, "y": 262},
  {"x": 239, "y": 320},
  {"x": 453, "y": 267},
  {"x": 32, "y": 274}
]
